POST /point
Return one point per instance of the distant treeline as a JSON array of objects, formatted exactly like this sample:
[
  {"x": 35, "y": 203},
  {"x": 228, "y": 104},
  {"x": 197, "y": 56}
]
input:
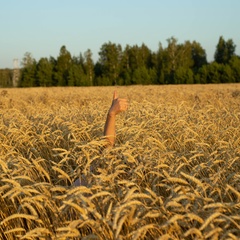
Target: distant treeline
[{"x": 176, "y": 64}]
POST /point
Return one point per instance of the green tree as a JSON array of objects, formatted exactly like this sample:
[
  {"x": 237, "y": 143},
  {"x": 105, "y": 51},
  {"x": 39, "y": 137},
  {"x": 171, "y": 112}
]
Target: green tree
[
  {"x": 202, "y": 75},
  {"x": 44, "y": 72},
  {"x": 169, "y": 58},
  {"x": 110, "y": 57},
  {"x": 63, "y": 64},
  {"x": 183, "y": 76},
  {"x": 199, "y": 56},
  {"x": 226, "y": 74},
  {"x": 160, "y": 64},
  {"x": 88, "y": 67},
  {"x": 184, "y": 55},
  {"x": 76, "y": 76},
  {"x": 143, "y": 75},
  {"x": 234, "y": 63},
  {"x": 144, "y": 56},
  {"x": 6, "y": 77},
  {"x": 125, "y": 71},
  {"x": 224, "y": 50},
  {"x": 27, "y": 60},
  {"x": 173, "y": 57},
  {"x": 28, "y": 72},
  {"x": 137, "y": 61},
  {"x": 139, "y": 57},
  {"x": 213, "y": 72}
]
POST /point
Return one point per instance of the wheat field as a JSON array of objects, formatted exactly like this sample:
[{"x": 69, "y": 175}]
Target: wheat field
[{"x": 174, "y": 172}]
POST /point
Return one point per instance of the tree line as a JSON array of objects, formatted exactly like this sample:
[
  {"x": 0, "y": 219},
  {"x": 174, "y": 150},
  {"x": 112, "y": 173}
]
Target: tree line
[{"x": 178, "y": 63}]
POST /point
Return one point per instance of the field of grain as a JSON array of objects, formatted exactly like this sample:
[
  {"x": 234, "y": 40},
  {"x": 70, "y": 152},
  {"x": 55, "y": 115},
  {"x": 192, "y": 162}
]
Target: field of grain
[{"x": 174, "y": 172}]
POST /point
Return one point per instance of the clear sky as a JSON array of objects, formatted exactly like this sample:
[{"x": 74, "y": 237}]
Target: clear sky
[{"x": 41, "y": 27}]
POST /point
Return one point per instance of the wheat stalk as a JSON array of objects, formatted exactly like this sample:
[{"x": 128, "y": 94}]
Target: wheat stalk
[{"x": 172, "y": 174}]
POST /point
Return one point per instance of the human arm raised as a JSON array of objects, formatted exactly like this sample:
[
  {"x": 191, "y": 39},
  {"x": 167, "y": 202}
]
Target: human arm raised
[{"x": 118, "y": 105}]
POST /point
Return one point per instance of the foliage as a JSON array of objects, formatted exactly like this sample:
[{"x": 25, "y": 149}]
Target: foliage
[
  {"x": 64, "y": 61},
  {"x": 110, "y": 56},
  {"x": 234, "y": 64},
  {"x": 178, "y": 63},
  {"x": 44, "y": 72},
  {"x": 6, "y": 77},
  {"x": 224, "y": 50}
]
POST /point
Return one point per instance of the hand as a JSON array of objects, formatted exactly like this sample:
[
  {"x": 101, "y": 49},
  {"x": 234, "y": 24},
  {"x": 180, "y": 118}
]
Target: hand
[{"x": 118, "y": 105}]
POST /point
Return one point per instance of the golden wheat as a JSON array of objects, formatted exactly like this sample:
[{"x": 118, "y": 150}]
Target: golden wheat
[{"x": 174, "y": 172}]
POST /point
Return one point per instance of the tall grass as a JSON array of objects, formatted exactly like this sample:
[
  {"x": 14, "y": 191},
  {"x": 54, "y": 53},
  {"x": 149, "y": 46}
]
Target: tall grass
[{"x": 173, "y": 174}]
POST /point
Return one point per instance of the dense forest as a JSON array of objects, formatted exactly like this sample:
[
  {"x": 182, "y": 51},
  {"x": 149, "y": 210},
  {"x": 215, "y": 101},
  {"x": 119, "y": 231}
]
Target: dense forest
[{"x": 184, "y": 63}]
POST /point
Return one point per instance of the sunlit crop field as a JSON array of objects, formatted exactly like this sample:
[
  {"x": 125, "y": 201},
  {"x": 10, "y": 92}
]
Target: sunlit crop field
[{"x": 174, "y": 172}]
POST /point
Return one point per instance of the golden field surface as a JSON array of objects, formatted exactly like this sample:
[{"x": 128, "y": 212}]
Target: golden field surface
[{"x": 174, "y": 172}]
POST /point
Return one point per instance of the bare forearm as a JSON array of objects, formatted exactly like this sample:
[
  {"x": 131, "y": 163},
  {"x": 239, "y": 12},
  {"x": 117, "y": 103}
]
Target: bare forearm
[
  {"x": 118, "y": 105},
  {"x": 109, "y": 128}
]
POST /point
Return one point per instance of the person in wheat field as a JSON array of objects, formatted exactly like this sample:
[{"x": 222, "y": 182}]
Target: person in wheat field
[{"x": 118, "y": 105}]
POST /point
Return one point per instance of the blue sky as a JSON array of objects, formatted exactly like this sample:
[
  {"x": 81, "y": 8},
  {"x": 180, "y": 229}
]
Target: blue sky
[{"x": 42, "y": 27}]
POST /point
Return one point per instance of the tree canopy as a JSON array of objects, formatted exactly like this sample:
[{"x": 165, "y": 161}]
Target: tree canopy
[{"x": 177, "y": 63}]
